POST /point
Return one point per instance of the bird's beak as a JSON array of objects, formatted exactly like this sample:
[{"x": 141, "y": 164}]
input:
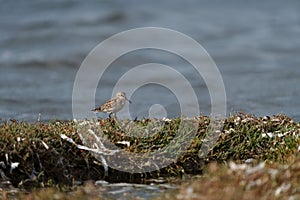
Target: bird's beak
[{"x": 128, "y": 100}]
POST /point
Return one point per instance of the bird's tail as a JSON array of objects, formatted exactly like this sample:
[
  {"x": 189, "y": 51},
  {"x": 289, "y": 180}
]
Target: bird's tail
[{"x": 96, "y": 110}]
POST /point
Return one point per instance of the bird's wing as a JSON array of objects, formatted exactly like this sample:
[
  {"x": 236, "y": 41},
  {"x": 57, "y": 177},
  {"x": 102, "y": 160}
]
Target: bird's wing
[{"x": 109, "y": 105}]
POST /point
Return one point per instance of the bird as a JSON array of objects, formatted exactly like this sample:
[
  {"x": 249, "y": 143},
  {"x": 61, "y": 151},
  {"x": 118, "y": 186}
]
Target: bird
[{"x": 113, "y": 105}]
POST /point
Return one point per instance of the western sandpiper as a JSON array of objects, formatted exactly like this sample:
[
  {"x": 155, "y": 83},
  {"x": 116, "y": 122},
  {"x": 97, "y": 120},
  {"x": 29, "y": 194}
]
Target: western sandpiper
[{"x": 113, "y": 105}]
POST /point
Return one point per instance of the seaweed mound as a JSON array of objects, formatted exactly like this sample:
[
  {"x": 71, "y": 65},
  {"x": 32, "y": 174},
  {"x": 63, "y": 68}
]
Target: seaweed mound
[{"x": 36, "y": 154}]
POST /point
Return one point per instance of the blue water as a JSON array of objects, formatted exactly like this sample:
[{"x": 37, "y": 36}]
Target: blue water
[{"x": 255, "y": 45}]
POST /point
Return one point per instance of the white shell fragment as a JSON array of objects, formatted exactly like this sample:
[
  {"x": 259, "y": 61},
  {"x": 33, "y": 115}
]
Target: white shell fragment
[{"x": 13, "y": 166}]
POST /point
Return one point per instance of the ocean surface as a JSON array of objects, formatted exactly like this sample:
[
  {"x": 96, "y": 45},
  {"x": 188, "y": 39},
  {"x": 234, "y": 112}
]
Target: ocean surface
[{"x": 255, "y": 45}]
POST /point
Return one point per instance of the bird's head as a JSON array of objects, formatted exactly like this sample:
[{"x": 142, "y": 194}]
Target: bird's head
[{"x": 122, "y": 95}]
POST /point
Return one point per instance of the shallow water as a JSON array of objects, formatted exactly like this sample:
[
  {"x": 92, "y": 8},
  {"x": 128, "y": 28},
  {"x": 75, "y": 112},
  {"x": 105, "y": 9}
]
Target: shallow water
[
  {"x": 255, "y": 45},
  {"x": 124, "y": 191},
  {"x": 105, "y": 190}
]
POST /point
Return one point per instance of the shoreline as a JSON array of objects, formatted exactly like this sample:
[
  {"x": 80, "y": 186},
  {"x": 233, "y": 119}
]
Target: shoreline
[{"x": 33, "y": 155}]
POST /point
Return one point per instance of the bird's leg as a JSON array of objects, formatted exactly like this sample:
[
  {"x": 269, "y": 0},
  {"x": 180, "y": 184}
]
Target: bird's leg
[{"x": 109, "y": 115}]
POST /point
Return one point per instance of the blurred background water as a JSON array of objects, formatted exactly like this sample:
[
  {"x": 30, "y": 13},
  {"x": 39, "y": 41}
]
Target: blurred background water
[{"x": 255, "y": 44}]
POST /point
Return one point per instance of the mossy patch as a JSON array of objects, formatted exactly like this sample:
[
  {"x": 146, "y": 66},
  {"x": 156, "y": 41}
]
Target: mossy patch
[
  {"x": 34, "y": 154},
  {"x": 258, "y": 180}
]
